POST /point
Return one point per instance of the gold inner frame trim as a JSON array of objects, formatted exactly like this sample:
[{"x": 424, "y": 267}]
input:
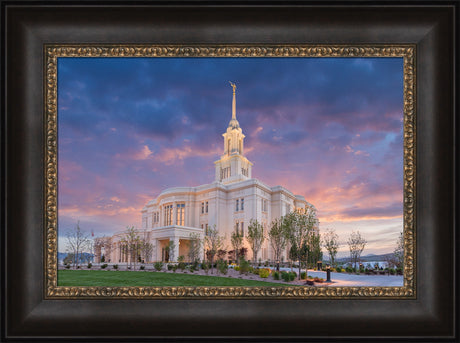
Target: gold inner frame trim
[{"x": 53, "y": 52}]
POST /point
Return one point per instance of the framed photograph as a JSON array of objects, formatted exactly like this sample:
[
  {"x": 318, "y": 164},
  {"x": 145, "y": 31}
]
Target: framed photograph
[
  {"x": 262, "y": 172},
  {"x": 219, "y": 228}
]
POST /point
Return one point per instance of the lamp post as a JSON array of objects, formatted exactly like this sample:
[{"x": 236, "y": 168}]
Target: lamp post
[
  {"x": 277, "y": 265},
  {"x": 328, "y": 273}
]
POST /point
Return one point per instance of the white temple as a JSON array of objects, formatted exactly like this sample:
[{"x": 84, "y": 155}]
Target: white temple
[{"x": 229, "y": 203}]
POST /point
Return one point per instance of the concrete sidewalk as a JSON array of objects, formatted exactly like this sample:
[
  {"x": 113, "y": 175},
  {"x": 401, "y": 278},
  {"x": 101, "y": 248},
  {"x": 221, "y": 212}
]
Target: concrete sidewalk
[{"x": 352, "y": 280}]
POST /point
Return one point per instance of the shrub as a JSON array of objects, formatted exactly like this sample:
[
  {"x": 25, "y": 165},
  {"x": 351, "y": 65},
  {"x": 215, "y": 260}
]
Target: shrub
[
  {"x": 222, "y": 266},
  {"x": 287, "y": 277},
  {"x": 303, "y": 275},
  {"x": 245, "y": 267},
  {"x": 158, "y": 266},
  {"x": 103, "y": 266},
  {"x": 338, "y": 270},
  {"x": 349, "y": 270},
  {"x": 392, "y": 271},
  {"x": 67, "y": 266},
  {"x": 205, "y": 266},
  {"x": 89, "y": 265},
  {"x": 264, "y": 272},
  {"x": 78, "y": 267},
  {"x": 236, "y": 268},
  {"x": 195, "y": 266},
  {"x": 142, "y": 267},
  {"x": 174, "y": 267},
  {"x": 182, "y": 264},
  {"x": 276, "y": 275},
  {"x": 115, "y": 266},
  {"x": 170, "y": 267}
]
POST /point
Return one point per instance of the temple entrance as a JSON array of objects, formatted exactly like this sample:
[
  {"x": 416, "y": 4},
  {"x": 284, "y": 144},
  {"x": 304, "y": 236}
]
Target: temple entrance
[
  {"x": 164, "y": 255},
  {"x": 163, "y": 252}
]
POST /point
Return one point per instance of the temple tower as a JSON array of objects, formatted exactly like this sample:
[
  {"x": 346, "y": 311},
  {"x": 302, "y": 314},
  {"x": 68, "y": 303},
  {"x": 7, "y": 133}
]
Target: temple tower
[{"x": 233, "y": 166}]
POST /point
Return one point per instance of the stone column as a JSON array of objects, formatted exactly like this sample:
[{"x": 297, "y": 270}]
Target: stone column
[
  {"x": 97, "y": 254},
  {"x": 176, "y": 248},
  {"x": 202, "y": 237},
  {"x": 159, "y": 256}
]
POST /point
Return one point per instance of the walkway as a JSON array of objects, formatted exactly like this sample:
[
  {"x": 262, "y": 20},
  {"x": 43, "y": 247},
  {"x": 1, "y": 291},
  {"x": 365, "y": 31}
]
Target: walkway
[{"x": 353, "y": 280}]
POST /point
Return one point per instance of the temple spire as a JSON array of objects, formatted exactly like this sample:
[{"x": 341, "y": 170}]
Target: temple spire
[
  {"x": 234, "y": 100},
  {"x": 233, "y": 122}
]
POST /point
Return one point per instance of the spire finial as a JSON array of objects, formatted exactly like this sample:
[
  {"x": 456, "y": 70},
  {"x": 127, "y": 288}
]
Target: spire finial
[{"x": 234, "y": 100}]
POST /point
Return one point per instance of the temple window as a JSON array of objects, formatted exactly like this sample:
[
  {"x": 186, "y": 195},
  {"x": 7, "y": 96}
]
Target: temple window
[
  {"x": 180, "y": 214},
  {"x": 168, "y": 214}
]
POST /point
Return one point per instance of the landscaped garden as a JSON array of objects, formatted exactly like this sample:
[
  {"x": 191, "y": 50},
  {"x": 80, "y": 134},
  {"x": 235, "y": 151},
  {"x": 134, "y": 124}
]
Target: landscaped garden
[{"x": 116, "y": 278}]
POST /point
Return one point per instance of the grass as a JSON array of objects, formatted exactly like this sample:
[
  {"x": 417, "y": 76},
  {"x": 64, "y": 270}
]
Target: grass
[{"x": 108, "y": 278}]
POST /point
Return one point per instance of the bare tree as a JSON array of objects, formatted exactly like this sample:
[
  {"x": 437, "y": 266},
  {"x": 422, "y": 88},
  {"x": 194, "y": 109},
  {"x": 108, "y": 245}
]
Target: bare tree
[
  {"x": 237, "y": 242},
  {"x": 214, "y": 243},
  {"x": 194, "y": 247},
  {"x": 255, "y": 237},
  {"x": 278, "y": 238},
  {"x": 299, "y": 225},
  {"x": 145, "y": 247},
  {"x": 77, "y": 241},
  {"x": 331, "y": 244},
  {"x": 146, "y": 250},
  {"x": 396, "y": 259},
  {"x": 132, "y": 241},
  {"x": 356, "y": 244}
]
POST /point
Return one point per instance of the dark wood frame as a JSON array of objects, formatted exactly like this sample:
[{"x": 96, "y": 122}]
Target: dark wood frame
[{"x": 28, "y": 25}]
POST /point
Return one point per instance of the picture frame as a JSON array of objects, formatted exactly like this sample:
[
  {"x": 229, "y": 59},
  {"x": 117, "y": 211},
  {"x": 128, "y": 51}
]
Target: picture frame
[
  {"x": 33, "y": 313},
  {"x": 407, "y": 55}
]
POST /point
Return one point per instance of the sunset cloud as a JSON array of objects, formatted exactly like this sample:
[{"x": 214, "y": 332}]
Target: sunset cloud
[{"x": 143, "y": 154}]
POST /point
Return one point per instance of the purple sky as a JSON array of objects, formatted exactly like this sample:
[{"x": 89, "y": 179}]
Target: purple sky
[{"x": 326, "y": 128}]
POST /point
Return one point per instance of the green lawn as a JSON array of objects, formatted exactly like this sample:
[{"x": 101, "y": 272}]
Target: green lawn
[{"x": 133, "y": 278}]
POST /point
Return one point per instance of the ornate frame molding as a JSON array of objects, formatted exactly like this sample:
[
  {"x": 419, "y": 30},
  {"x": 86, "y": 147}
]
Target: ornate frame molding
[{"x": 53, "y": 52}]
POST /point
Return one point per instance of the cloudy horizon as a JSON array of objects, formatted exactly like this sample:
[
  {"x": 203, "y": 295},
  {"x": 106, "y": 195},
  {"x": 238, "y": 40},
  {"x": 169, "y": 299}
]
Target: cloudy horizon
[{"x": 330, "y": 129}]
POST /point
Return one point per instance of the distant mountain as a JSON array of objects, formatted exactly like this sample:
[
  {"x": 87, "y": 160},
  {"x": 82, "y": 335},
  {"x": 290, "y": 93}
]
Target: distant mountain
[
  {"x": 62, "y": 255},
  {"x": 368, "y": 258}
]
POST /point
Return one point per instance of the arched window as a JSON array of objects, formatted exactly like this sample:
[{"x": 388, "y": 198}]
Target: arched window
[{"x": 228, "y": 148}]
